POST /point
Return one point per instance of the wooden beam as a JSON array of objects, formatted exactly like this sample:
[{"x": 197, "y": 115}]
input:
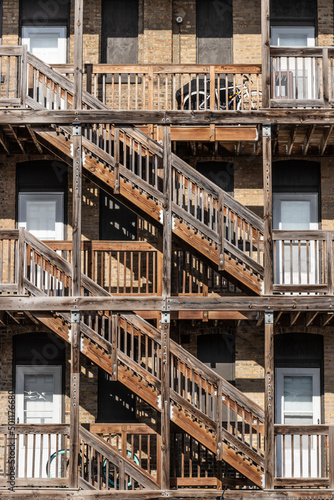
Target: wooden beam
[
  {"x": 265, "y": 30},
  {"x": 287, "y": 303},
  {"x": 34, "y": 138},
  {"x": 269, "y": 399},
  {"x": 326, "y": 318},
  {"x": 76, "y": 248},
  {"x": 11, "y": 128},
  {"x": 293, "y": 317},
  {"x": 292, "y": 140},
  {"x": 308, "y": 138},
  {"x": 278, "y": 317},
  {"x": 165, "y": 321},
  {"x": 310, "y": 317},
  {"x": 326, "y": 134},
  {"x": 272, "y": 116},
  {"x": 267, "y": 209}
]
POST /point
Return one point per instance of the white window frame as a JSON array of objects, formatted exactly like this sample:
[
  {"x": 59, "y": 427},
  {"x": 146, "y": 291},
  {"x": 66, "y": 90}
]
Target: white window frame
[
  {"x": 56, "y": 371},
  {"x": 277, "y": 31},
  {"x": 28, "y": 31},
  {"x": 58, "y": 197}
]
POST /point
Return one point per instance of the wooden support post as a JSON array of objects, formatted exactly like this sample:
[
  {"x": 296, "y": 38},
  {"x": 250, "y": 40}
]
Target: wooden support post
[
  {"x": 267, "y": 209},
  {"x": 331, "y": 457},
  {"x": 325, "y": 76},
  {"x": 116, "y": 161},
  {"x": 219, "y": 435},
  {"x": 269, "y": 399},
  {"x": 114, "y": 333},
  {"x": 76, "y": 249},
  {"x": 165, "y": 316},
  {"x": 74, "y": 402},
  {"x": 221, "y": 232},
  {"x": 212, "y": 87},
  {"x": 21, "y": 261},
  {"x": 265, "y": 30},
  {"x": 24, "y": 76}
]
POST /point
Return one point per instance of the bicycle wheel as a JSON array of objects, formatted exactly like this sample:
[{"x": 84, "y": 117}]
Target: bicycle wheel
[
  {"x": 57, "y": 464},
  {"x": 111, "y": 478}
]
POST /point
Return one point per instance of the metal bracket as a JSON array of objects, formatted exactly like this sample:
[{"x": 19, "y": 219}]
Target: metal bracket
[
  {"x": 165, "y": 317},
  {"x": 269, "y": 317},
  {"x": 75, "y": 317},
  {"x": 77, "y": 130},
  {"x": 266, "y": 130}
]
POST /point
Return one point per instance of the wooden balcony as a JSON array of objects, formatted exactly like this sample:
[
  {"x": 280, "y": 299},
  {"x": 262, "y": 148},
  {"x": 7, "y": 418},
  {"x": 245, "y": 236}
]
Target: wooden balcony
[
  {"x": 299, "y": 77},
  {"x": 303, "y": 457}
]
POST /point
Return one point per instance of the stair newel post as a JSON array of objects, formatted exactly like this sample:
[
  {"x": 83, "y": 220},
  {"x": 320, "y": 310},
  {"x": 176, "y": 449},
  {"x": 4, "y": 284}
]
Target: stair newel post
[
  {"x": 269, "y": 399},
  {"x": 76, "y": 247},
  {"x": 165, "y": 315},
  {"x": 219, "y": 435},
  {"x": 267, "y": 209}
]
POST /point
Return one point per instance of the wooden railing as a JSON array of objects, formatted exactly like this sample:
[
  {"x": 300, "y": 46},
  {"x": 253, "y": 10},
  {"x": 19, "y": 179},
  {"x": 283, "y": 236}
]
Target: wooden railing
[
  {"x": 194, "y": 387},
  {"x": 303, "y": 261},
  {"x": 135, "y": 162},
  {"x": 120, "y": 267},
  {"x": 172, "y": 86},
  {"x": 33, "y": 455},
  {"x": 135, "y": 344},
  {"x": 302, "y": 76},
  {"x": 304, "y": 456},
  {"x": 102, "y": 467},
  {"x": 9, "y": 271},
  {"x": 12, "y": 76}
]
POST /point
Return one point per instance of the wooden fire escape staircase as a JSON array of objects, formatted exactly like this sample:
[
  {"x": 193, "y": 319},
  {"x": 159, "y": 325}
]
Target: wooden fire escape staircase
[
  {"x": 124, "y": 345},
  {"x": 129, "y": 163},
  {"x": 129, "y": 349}
]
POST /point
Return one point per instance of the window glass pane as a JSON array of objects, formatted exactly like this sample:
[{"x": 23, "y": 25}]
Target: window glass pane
[
  {"x": 295, "y": 214},
  {"x": 38, "y": 398},
  {"x": 298, "y": 394}
]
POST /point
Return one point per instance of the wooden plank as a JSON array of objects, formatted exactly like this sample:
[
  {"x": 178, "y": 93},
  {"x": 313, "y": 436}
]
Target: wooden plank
[
  {"x": 267, "y": 209},
  {"x": 269, "y": 401},
  {"x": 34, "y": 138}
]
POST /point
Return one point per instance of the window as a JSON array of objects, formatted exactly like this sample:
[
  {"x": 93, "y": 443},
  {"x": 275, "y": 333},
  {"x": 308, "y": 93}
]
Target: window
[
  {"x": 214, "y": 31},
  {"x": 46, "y": 43}
]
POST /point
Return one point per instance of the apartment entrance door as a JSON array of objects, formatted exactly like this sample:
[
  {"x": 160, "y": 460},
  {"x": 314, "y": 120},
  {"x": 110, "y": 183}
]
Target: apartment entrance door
[
  {"x": 294, "y": 78},
  {"x": 298, "y": 403},
  {"x": 295, "y": 211},
  {"x": 38, "y": 401}
]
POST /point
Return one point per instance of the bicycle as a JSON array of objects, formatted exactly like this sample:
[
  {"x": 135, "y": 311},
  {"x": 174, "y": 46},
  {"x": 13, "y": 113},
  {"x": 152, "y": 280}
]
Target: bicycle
[
  {"x": 199, "y": 96},
  {"x": 63, "y": 457}
]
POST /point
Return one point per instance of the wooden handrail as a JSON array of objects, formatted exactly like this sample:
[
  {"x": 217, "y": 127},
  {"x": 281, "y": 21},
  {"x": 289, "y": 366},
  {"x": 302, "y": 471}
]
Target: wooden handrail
[
  {"x": 309, "y": 430},
  {"x": 102, "y": 68}
]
